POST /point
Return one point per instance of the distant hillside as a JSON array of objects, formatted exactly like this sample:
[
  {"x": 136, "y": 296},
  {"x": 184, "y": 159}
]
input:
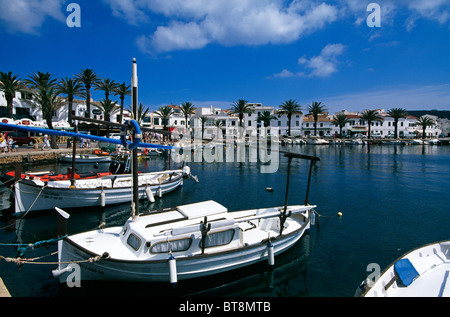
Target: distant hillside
[{"x": 438, "y": 113}]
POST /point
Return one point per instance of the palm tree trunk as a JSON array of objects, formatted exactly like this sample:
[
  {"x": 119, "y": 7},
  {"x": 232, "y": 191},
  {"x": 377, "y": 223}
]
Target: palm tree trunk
[
  {"x": 9, "y": 104},
  {"x": 53, "y": 143}
]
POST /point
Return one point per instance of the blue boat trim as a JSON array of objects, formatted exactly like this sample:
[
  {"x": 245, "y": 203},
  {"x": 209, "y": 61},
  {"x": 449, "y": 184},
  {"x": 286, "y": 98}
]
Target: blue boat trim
[{"x": 405, "y": 271}]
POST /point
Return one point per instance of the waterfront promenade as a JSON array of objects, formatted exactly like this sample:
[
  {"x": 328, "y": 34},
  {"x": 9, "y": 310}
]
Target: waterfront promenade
[{"x": 34, "y": 154}]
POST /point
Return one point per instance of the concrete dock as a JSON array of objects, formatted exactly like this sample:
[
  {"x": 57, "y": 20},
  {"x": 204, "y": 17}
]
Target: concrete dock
[
  {"x": 3, "y": 290},
  {"x": 30, "y": 154}
]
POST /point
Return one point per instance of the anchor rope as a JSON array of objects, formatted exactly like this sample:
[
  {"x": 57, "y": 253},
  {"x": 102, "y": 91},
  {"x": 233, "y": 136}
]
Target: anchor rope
[
  {"x": 20, "y": 261},
  {"x": 31, "y": 206},
  {"x": 22, "y": 247}
]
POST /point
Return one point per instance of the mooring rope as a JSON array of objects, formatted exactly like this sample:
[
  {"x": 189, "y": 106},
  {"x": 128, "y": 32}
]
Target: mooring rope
[
  {"x": 25, "y": 213},
  {"x": 20, "y": 261}
]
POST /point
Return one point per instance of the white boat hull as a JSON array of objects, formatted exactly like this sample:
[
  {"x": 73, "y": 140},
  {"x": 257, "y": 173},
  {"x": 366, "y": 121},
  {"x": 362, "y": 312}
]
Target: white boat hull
[
  {"x": 426, "y": 275},
  {"x": 84, "y": 158},
  {"x": 148, "y": 267},
  {"x": 35, "y": 195}
]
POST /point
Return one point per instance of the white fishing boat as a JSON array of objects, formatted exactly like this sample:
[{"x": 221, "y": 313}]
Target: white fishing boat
[
  {"x": 35, "y": 194},
  {"x": 418, "y": 142},
  {"x": 315, "y": 140},
  {"x": 423, "y": 272},
  {"x": 85, "y": 158},
  {"x": 184, "y": 242},
  {"x": 395, "y": 142},
  {"x": 358, "y": 142}
]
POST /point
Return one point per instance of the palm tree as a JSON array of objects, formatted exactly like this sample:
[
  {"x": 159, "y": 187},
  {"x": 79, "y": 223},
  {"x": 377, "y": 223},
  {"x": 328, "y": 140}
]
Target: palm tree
[
  {"x": 89, "y": 78},
  {"x": 203, "y": 122},
  {"x": 265, "y": 116},
  {"x": 9, "y": 83},
  {"x": 48, "y": 101},
  {"x": 40, "y": 80},
  {"x": 340, "y": 121},
  {"x": 70, "y": 87},
  {"x": 371, "y": 116},
  {"x": 187, "y": 108},
  {"x": 122, "y": 90},
  {"x": 142, "y": 111},
  {"x": 425, "y": 122},
  {"x": 46, "y": 97},
  {"x": 107, "y": 85},
  {"x": 241, "y": 107},
  {"x": 397, "y": 113},
  {"x": 289, "y": 108},
  {"x": 164, "y": 112},
  {"x": 109, "y": 108},
  {"x": 315, "y": 109}
]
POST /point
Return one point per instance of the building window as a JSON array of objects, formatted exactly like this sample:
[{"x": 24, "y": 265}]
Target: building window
[{"x": 249, "y": 123}]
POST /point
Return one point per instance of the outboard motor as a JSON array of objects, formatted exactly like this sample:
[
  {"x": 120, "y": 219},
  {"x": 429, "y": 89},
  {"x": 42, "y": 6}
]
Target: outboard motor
[{"x": 117, "y": 167}]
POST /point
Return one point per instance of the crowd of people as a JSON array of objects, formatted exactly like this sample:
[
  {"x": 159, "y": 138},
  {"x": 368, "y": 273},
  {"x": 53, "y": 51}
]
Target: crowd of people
[{"x": 7, "y": 144}]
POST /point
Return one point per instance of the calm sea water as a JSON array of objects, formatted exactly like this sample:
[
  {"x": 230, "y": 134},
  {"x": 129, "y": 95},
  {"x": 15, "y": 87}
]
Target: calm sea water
[{"x": 393, "y": 199}]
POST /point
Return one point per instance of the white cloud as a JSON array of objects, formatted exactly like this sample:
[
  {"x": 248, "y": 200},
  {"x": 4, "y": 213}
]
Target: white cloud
[
  {"x": 323, "y": 65},
  {"x": 194, "y": 24},
  {"x": 27, "y": 16}
]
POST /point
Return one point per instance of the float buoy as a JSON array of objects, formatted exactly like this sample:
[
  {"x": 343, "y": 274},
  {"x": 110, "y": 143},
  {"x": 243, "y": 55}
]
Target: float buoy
[{"x": 136, "y": 138}]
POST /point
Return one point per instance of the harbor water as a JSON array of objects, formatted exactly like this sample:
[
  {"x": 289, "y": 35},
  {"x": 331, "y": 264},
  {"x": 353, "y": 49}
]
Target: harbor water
[{"x": 393, "y": 198}]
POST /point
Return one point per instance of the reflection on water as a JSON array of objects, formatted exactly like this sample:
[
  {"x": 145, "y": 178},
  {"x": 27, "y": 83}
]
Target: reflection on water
[{"x": 393, "y": 199}]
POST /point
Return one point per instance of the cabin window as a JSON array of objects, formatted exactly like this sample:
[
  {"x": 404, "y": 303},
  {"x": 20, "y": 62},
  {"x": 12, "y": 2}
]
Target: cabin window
[
  {"x": 218, "y": 238},
  {"x": 134, "y": 242},
  {"x": 172, "y": 246}
]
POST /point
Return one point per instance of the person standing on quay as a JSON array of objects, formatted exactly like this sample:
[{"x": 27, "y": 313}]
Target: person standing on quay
[
  {"x": 46, "y": 143},
  {"x": 2, "y": 143}
]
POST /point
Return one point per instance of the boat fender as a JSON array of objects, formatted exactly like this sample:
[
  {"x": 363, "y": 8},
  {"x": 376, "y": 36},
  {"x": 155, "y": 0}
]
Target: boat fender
[
  {"x": 137, "y": 135},
  {"x": 159, "y": 192},
  {"x": 102, "y": 198},
  {"x": 271, "y": 253},
  {"x": 150, "y": 196},
  {"x": 58, "y": 272},
  {"x": 172, "y": 270}
]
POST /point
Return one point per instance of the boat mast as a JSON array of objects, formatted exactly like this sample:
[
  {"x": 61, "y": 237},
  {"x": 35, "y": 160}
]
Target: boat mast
[{"x": 135, "y": 201}]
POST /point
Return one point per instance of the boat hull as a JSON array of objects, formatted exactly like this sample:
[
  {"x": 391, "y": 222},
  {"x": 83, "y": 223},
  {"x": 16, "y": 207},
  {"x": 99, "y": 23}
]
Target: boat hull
[
  {"x": 32, "y": 197},
  {"x": 87, "y": 158},
  {"x": 423, "y": 272}
]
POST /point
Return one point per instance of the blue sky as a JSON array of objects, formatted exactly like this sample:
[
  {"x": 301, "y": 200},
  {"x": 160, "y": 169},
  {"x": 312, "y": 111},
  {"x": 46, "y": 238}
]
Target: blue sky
[{"x": 218, "y": 51}]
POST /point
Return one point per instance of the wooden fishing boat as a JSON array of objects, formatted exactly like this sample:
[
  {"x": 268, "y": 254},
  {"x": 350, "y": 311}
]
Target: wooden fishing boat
[
  {"x": 85, "y": 158},
  {"x": 423, "y": 272},
  {"x": 183, "y": 242},
  {"x": 38, "y": 194}
]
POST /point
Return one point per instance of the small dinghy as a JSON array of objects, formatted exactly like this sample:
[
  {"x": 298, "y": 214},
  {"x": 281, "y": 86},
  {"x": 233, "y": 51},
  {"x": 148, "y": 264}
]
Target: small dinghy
[
  {"x": 85, "y": 158},
  {"x": 423, "y": 272}
]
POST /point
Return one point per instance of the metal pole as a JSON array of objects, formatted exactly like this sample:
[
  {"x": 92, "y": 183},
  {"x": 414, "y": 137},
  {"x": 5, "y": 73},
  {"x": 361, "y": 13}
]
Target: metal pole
[
  {"x": 309, "y": 182},
  {"x": 134, "y": 83}
]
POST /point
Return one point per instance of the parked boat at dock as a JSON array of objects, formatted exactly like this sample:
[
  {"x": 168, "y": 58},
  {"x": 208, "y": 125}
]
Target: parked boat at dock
[
  {"x": 36, "y": 194},
  {"x": 85, "y": 158},
  {"x": 315, "y": 140},
  {"x": 183, "y": 242},
  {"x": 423, "y": 272}
]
